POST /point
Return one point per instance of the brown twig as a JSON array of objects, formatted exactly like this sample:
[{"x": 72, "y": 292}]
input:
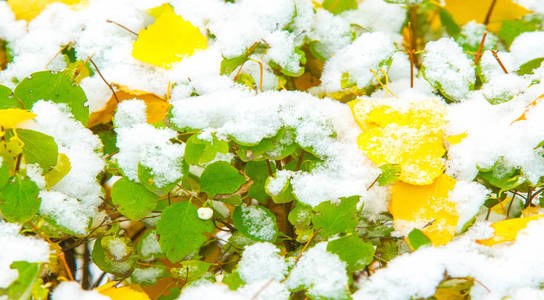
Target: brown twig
[
  {"x": 489, "y": 11},
  {"x": 499, "y": 61},
  {"x": 105, "y": 81},
  {"x": 299, "y": 161},
  {"x": 301, "y": 252},
  {"x": 125, "y": 28},
  {"x": 479, "y": 52},
  {"x": 57, "y": 54},
  {"x": 269, "y": 168},
  {"x": 411, "y": 52},
  {"x": 373, "y": 182},
  {"x": 262, "y": 289}
]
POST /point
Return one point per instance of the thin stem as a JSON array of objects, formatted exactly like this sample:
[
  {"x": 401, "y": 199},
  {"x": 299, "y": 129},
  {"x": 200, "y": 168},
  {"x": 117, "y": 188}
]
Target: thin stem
[
  {"x": 105, "y": 81},
  {"x": 499, "y": 61},
  {"x": 479, "y": 52},
  {"x": 125, "y": 28},
  {"x": 85, "y": 278},
  {"x": 269, "y": 168},
  {"x": 373, "y": 182},
  {"x": 299, "y": 161},
  {"x": 510, "y": 204},
  {"x": 489, "y": 12}
]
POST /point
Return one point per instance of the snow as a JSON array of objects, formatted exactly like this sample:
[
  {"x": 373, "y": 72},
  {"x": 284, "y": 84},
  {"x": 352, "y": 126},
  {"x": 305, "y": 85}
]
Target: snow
[
  {"x": 277, "y": 183},
  {"x": 140, "y": 143},
  {"x": 263, "y": 227},
  {"x": 249, "y": 118},
  {"x": 370, "y": 51},
  {"x": 322, "y": 272},
  {"x": 16, "y": 247},
  {"x": 261, "y": 262},
  {"x": 527, "y": 46},
  {"x": 448, "y": 68},
  {"x": 502, "y": 269},
  {"x": 205, "y": 213},
  {"x": 68, "y": 290}
]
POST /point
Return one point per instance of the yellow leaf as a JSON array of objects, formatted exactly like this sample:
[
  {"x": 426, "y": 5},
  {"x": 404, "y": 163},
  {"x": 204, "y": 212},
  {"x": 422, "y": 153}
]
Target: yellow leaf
[
  {"x": 121, "y": 293},
  {"x": 456, "y": 139},
  {"x": 507, "y": 230},
  {"x": 426, "y": 208},
  {"x": 409, "y": 134},
  {"x": 464, "y": 11},
  {"x": 157, "y": 107},
  {"x": 29, "y": 9},
  {"x": 168, "y": 40},
  {"x": 9, "y": 118}
]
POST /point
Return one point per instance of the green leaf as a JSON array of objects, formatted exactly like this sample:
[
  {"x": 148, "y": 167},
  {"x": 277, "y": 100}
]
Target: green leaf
[
  {"x": 21, "y": 288},
  {"x": 528, "y": 67},
  {"x": 62, "y": 168},
  {"x": 117, "y": 248},
  {"x": 258, "y": 172},
  {"x": 274, "y": 148},
  {"x": 190, "y": 270},
  {"x": 220, "y": 178},
  {"x": 134, "y": 200},
  {"x": 19, "y": 200},
  {"x": 181, "y": 231},
  {"x": 448, "y": 22},
  {"x": 338, "y": 6},
  {"x": 120, "y": 268},
  {"x": 228, "y": 65},
  {"x": 4, "y": 173},
  {"x": 39, "y": 148},
  {"x": 502, "y": 176},
  {"x": 510, "y": 29},
  {"x": 416, "y": 239},
  {"x": 174, "y": 294},
  {"x": 148, "y": 276},
  {"x": 300, "y": 215},
  {"x": 356, "y": 253},
  {"x": 146, "y": 178},
  {"x": 335, "y": 218},
  {"x": 390, "y": 174},
  {"x": 148, "y": 246},
  {"x": 256, "y": 222},
  {"x": 6, "y": 100},
  {"x": 319, "y": 50},
  {"x": 199, "y": 151},
  {"x": 233, "y": 280},
  {"x": 56, "y": 87},
  {"x": 286, "y": 193}
]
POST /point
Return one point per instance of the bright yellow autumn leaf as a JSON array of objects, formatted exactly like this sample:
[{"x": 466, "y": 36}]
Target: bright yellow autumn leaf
[
  {"x": 464, "y": 11},
  {"x": 407, "y": 133},
  {"x": 121, "y": 293},
  {"x": 29, "y": 9},
  {"x": 157, "y": 107},
  {"x": 427, "y": 208},
  {"x": 9, "y": 118},
  {"x": 507, "y": 230},
  {"x": 168, "y": 40}
]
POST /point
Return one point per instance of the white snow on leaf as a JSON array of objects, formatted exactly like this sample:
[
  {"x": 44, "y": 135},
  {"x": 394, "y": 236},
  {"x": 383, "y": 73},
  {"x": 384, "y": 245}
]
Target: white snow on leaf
[{"x": 261, "y": 262}]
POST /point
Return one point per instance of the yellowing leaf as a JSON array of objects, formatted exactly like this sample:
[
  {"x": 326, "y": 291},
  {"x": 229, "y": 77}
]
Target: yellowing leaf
[
  {"x": 157, "y": 107},
  {"x": 122, "y": 293},
  {"x": 426, "y": 208},
  {"x": 168, "y": 40},
  {"x": 464, "y": 11},
  {"x": 9, "y": 118},
  {"x": 29, "y": 9},
  {"x": 507, "y": 230},
  {"x": 528, "y": 108},
  {"x": 409, "y": 134},
  {"x": 456, "y": 139}
]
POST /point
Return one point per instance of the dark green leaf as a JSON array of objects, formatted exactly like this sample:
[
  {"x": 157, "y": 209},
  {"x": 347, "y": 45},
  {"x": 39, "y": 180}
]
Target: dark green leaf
[
  {"x": 21, "y": 288},
  {"x": 4, "y": 173},
  {"x": 39, "y": 148},
  {"x": 258, "y": 172},
  {"x": 338, "y": 6},
  {"x": 99, "y": 257},
  {"x": 335, "y": 218},
  {"x": 417, "y": 238},
  {"x": 190, "y": 270},
  {"x": 220, "y": 178},
  {"x": 354, "y": 252},
  {"x": 134, "y": 200},
  {"x": 448, "y": 22},
  {"x": 181, "y": 232},
  {"x": 19, "y": 200},
  {"x": 390, "y": 174},
  {"x": 56, "y": 87},
  {"x": 256, "y": 222},
  {"x": 528, "y": 67}
]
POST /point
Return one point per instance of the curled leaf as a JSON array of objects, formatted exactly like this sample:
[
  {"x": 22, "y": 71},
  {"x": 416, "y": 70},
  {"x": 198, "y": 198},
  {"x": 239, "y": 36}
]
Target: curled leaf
[{"x": 11, "y": 117}]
